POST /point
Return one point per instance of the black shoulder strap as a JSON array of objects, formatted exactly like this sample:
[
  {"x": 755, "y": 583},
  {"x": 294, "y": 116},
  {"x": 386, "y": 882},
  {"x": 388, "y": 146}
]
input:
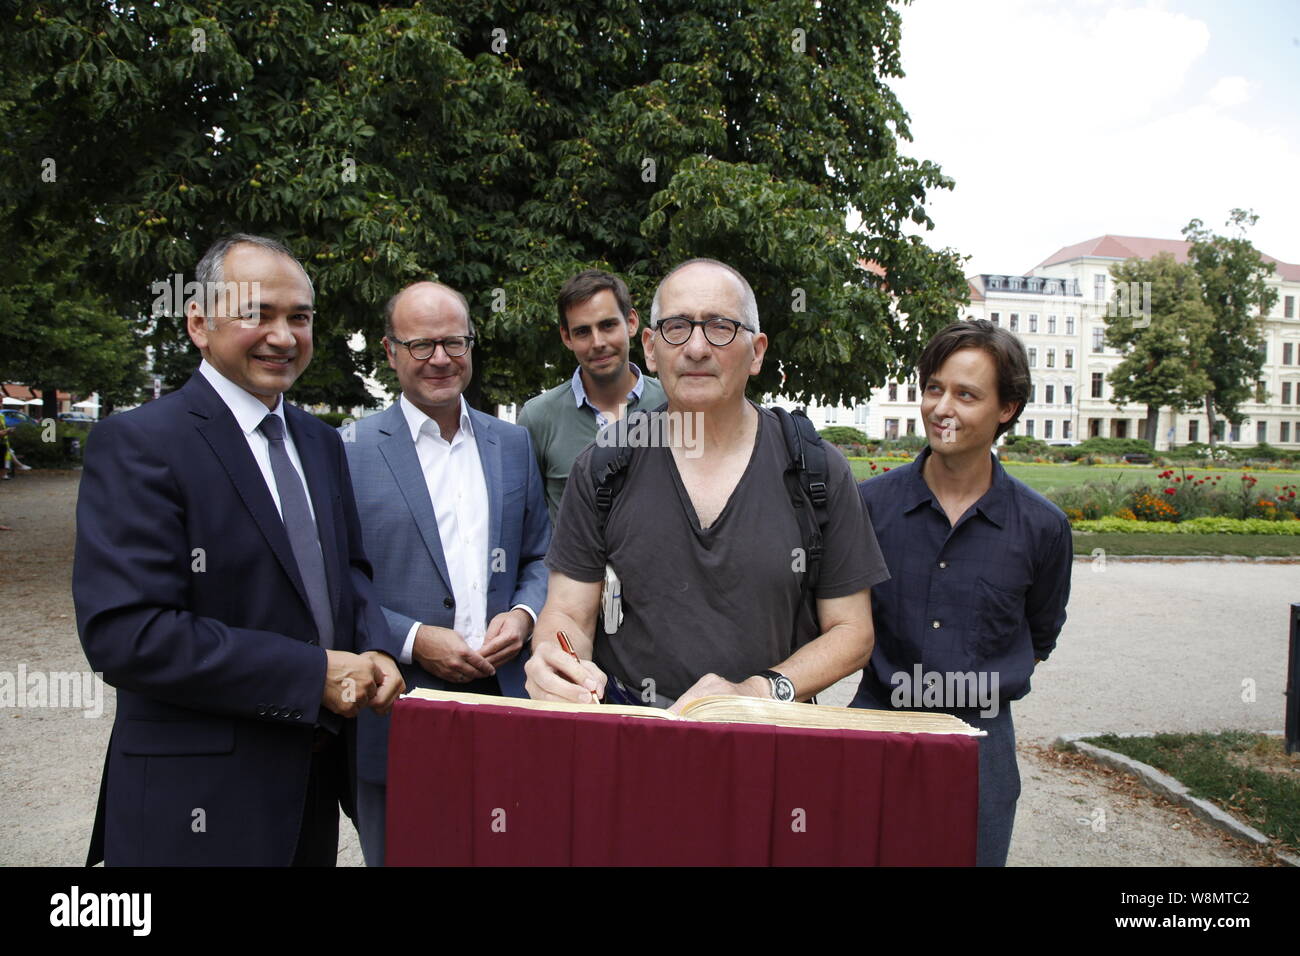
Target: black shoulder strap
[
  {"x": 806, "y": 482},
  {"x": 609, "y": 461}
]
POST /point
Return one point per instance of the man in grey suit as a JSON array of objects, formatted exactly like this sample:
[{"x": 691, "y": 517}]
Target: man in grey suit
[{"x": 454, "y": 520}]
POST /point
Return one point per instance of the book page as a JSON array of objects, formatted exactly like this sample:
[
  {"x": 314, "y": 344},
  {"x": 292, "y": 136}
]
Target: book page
[
  {"x": 622, "y": 710},
  {"x": 757, "y": 710}
]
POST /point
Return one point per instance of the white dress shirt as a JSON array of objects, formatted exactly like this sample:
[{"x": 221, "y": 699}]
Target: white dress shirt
[
  {"x": 453, "y": 473},
  {"x": 249, "y": 411}
]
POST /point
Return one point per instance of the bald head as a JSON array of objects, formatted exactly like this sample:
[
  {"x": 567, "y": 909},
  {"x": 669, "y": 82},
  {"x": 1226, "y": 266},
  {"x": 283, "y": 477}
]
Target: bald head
[
  {"x": 724, "y": 273},
  {"x": 426, "y": 295}
]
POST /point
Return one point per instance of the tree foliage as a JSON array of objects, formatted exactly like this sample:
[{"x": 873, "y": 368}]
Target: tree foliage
[
  {"x": 1234, "y": 280},
  {"x": 1165, "y": 352},
  {"x": 497, "y": 146}
]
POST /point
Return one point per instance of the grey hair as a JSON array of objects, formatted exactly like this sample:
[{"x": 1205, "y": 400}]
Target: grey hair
[
  {"x": 391, "y": 305},
  {"x": 748, "y": 304},
  {"x": 210, "y": 273}
]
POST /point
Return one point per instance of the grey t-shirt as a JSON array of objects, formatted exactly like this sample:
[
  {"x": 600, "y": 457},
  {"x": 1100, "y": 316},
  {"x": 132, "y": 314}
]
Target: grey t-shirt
[{"x": 724, "y": 599}]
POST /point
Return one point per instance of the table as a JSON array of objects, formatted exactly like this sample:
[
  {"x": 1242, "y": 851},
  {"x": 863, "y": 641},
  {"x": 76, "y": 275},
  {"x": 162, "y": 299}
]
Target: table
[{"x": 502, "y": 786}]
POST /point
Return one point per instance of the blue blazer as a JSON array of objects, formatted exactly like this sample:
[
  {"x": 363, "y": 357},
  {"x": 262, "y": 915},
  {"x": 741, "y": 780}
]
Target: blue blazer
[
  {"x": 401, "y": 537},
  {"x": 190, "y": 603}
]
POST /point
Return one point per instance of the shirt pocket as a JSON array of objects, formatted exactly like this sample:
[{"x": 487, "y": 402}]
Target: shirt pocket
[{"x": 1001, "y": 615}]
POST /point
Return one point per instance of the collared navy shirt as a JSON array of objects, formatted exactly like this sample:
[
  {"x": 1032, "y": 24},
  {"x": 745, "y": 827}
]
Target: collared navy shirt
[{"x": 987, "y": 594}]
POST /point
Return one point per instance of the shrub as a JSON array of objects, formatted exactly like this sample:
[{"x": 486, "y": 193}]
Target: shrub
[
  {"x": 333, "y": 419},
  {"x": 29, "y": 445},
  {"x": 1115, "y": 447},
  {"x": 1024, "y": 445},
  {"x": 1148, "y": 506},
  {"x": 1092, "y": 499},
  {"x": 843, "y": 435}
]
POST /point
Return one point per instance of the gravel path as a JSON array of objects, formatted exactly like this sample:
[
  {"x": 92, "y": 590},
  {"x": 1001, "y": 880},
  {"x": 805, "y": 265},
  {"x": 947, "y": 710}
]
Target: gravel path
[{"x": 1147, "y": 647}]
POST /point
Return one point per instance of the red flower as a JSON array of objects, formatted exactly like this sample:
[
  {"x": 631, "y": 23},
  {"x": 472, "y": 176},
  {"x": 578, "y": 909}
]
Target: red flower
[
  {"x": 886, "y": 469},
  {"x": 1178, "y": 479},
  {"x": 1170, "y": 491}
]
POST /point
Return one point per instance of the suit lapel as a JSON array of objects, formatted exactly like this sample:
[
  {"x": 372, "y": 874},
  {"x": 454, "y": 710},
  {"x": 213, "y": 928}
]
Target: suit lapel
[
  {"x": 218, "y": 427},
  {"x": 399, "y": 454},
  {"x": 489, "y": 453},
  {"x": 316, "y": 466}
]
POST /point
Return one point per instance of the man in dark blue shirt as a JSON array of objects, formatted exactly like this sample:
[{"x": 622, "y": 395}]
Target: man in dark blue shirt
[{"x": 980, "y": 564}]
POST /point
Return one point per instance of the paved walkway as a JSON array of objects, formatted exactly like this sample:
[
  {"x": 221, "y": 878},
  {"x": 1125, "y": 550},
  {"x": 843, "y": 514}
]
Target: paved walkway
[{"x": 1147, "y": 647}]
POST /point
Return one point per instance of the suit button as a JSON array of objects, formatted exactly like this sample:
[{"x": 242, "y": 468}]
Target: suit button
[
  {"x": 261, "y": 710},
  {"x": 296, "y": 715},
  {"x": 448, "y": 603},
  {"x": 282, "y": 712}
]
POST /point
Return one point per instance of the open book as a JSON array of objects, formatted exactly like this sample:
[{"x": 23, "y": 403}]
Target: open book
[{"x": 741, "y": 710}]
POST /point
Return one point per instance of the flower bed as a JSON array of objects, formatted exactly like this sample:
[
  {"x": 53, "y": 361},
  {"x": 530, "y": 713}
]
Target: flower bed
[{"x": 1191, "y": 526}]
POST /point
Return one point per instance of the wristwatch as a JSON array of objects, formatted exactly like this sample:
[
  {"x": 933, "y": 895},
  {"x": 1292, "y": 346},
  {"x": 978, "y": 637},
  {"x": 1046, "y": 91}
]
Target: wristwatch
[{"x": 782, "y": 688}]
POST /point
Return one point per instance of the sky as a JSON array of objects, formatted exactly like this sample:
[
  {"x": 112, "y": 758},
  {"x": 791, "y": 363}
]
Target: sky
[{"x": 1064, "y": 120}]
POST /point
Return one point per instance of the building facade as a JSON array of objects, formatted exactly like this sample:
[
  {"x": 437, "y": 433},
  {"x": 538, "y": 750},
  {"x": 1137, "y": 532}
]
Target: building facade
[{"x": 1059, "y": 311}]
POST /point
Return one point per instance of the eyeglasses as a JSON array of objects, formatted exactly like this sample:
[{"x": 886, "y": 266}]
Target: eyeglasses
[
  {"x": 717, "y": 331},
  {"x": 421, "y": 349}
]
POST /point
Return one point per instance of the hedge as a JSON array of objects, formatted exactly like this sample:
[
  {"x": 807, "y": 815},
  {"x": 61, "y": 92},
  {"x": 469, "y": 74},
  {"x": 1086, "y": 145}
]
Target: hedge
[{"x": 1191, "y": 526}]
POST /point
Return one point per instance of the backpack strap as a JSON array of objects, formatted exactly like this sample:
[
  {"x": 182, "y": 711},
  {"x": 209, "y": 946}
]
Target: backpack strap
[
  {"x": 805, "y": 480},
  {"x": 610, "y": 460}
]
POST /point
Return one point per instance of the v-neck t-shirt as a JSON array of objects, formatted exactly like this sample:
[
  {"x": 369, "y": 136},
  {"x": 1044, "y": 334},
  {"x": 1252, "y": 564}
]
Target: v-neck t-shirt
[{"x": 723, "y": 599}]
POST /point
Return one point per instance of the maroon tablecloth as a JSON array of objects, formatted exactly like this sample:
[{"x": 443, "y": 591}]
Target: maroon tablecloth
[{"x": 473, "y": 785}]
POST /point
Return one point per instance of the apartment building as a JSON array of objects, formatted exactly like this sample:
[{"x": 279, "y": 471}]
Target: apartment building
[{"x": 1058, "y": 309}]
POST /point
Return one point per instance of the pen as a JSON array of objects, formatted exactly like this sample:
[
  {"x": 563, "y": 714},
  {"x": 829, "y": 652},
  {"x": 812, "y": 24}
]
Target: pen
[{"x": 568, "y": 649}]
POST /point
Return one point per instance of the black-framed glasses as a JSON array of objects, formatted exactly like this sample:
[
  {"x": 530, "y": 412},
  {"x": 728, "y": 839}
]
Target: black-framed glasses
[
  {"x": 717, "y": 331},
  {"x": 421, "y": 349}
]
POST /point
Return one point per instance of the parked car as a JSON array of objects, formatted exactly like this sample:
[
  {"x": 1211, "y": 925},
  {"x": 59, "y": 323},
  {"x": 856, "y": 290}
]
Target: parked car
[
  {"x": 79, "y": 417},
  {"x": 18, "y": 418}
]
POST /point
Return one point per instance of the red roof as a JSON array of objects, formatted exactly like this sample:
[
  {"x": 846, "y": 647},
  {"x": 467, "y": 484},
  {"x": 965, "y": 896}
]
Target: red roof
[
  {"x": 1127, "y": 247},
  {"x": 976, "y": 293}
]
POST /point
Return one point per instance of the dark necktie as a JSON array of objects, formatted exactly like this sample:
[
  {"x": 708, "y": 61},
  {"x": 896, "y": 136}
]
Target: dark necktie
[{"x": 301, "y": 528}]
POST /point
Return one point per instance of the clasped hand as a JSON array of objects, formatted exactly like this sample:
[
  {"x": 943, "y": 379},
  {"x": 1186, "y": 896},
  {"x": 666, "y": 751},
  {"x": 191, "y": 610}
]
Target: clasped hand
[{"x": 353, "y": 681}]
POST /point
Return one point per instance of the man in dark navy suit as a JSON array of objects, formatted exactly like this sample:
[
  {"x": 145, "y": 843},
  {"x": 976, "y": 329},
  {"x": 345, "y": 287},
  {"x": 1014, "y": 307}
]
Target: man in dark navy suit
[{"x": 221, "y": 587}]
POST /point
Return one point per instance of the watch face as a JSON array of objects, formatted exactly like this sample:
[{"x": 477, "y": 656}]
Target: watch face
[{"x": 784, "y": 689}]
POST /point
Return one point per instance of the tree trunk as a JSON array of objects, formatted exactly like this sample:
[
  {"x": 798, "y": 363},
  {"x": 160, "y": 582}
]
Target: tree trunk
[
  {"x": 49, "y": 402},
  {"x": 1209, "y": 414},
  {"x": 1152, "y": 424}
]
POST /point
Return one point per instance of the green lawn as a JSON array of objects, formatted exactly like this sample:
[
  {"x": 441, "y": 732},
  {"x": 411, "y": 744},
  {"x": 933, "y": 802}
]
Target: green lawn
[
  {"x": 1248, "y": 774},
  {"x": 1043, "y": 478},
  {"x": 1251, "y": 545}
]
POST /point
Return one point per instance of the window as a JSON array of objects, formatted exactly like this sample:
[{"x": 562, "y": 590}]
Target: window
[
  {"x": 1069, "y": 358},
  {"x": 1219, "y": 430},
  {"x": 1033, "y": 394},
  {"x": 1069, "y": 325},
  {"x": 1099, "y": 288},
  {"x": 891, "y": 428},
  {"x": 1033, "y": 322},
  {"x": 1051, "y": 394},
  {"x": 1286, "y": 432},
  {"x": 1051, "y": 358},
  {"x": 1094, "y": 428},
  {"x": 1261, "y": 432},
  {"x": 1035, "y": 284},
  {"x": 1069, "y": 397},
  {"x": 1065, "y": 429},
  {"x": 995, "y": 318},
  {"x": 911, "y": 426},
  {"x": 1193, "y": 430},
  {"x": 1288, "y": 307},
  {"x": 860, "y": 414},
  {"x": 1015, "y": 322},
  {"x": 1098, "y": 340},
  {"x": 1096, "y": 384},
  {"x": 1286, "y": 393},
  {"x": 911, "y": 395},
  {"x": 1013, "y": 282},
  {"x": 1052, "y": 287},
  {"x": 1029, "y": 428},
  {"x": 1051, "y": 325},
  {"x": 893, "y": 391},
  {"x": 1047, "y": 428},
  {"x": 1261, "y": 392},
  {"x": 1033, "y": 358},
  {"x": 1235, "y": 435},
  {"x": 1287, "y": 353},
  {"x": 995, "y": 282}
]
